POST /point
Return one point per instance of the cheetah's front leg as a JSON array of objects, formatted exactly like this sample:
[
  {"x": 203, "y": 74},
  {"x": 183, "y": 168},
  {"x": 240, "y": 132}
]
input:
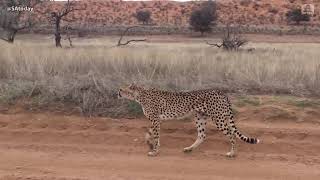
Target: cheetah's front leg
[{"x": 153, "y": 138}]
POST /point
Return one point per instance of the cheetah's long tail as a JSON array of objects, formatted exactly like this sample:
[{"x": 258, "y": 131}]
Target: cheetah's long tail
[
  {"x": 237, "y": 132},
  {"x": 246, "y": 138}
]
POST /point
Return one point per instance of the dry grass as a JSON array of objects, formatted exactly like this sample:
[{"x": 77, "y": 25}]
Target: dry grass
[{"x": 89, "y": 75}]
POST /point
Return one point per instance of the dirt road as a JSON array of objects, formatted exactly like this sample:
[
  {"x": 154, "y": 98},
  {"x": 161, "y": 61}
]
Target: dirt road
[{"x": 46, "y": 146}]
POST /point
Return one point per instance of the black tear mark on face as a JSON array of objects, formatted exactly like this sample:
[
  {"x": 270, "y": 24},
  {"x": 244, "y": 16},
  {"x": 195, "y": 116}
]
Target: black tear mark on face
[{"x": 119, "y": 94}]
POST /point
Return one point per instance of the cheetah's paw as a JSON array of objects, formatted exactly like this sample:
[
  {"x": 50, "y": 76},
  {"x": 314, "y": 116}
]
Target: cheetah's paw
[
  {"x": 230, "y": 154},
  {"x": 187, "y": 149},
  {"x": 152, "y": 153}
]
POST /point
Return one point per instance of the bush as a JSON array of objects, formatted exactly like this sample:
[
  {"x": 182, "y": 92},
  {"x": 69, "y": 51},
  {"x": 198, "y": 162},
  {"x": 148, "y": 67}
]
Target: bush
[
  {"x": 297, "y": 16},
  {"x": 232, "y": 39},
  {"x": 201, "y": 19},
  {"x": 143, "y": 16}
]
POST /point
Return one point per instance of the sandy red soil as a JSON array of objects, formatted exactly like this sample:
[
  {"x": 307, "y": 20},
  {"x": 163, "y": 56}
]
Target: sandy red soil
[
  {"x": 48, "y": 146},
  {"x": 248, "y": 12}
]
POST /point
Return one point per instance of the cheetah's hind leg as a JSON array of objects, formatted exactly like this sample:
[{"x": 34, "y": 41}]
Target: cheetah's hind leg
[
  {"x": 228, "y": 130},
  {"x": 201, "y": 127},
  {"x": 232, "y": 152}
]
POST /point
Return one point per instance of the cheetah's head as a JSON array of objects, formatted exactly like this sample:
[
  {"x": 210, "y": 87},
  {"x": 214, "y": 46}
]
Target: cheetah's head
[{"x": 131, "y": 92}]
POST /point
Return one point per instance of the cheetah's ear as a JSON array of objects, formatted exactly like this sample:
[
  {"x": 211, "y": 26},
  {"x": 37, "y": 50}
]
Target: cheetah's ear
[{"x": 134, "y": 87}]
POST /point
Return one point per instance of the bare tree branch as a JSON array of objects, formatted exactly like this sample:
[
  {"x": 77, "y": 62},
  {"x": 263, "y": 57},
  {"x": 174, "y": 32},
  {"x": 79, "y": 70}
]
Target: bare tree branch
[
  {"x": 232, "y": 39},
  {"x": 214, "y": 44},
  {"x": 69, "y": 7},
  {"x": 4, "y": 39},
  {"x": 133, "y": 40}
]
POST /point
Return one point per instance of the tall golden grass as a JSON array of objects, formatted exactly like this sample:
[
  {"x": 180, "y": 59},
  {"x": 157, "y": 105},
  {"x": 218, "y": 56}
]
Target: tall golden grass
[{"x": 89, "y": 74}]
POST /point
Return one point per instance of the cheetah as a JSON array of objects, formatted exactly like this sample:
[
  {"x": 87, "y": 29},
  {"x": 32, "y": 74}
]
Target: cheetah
[{"x": 206, "y": 104}]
